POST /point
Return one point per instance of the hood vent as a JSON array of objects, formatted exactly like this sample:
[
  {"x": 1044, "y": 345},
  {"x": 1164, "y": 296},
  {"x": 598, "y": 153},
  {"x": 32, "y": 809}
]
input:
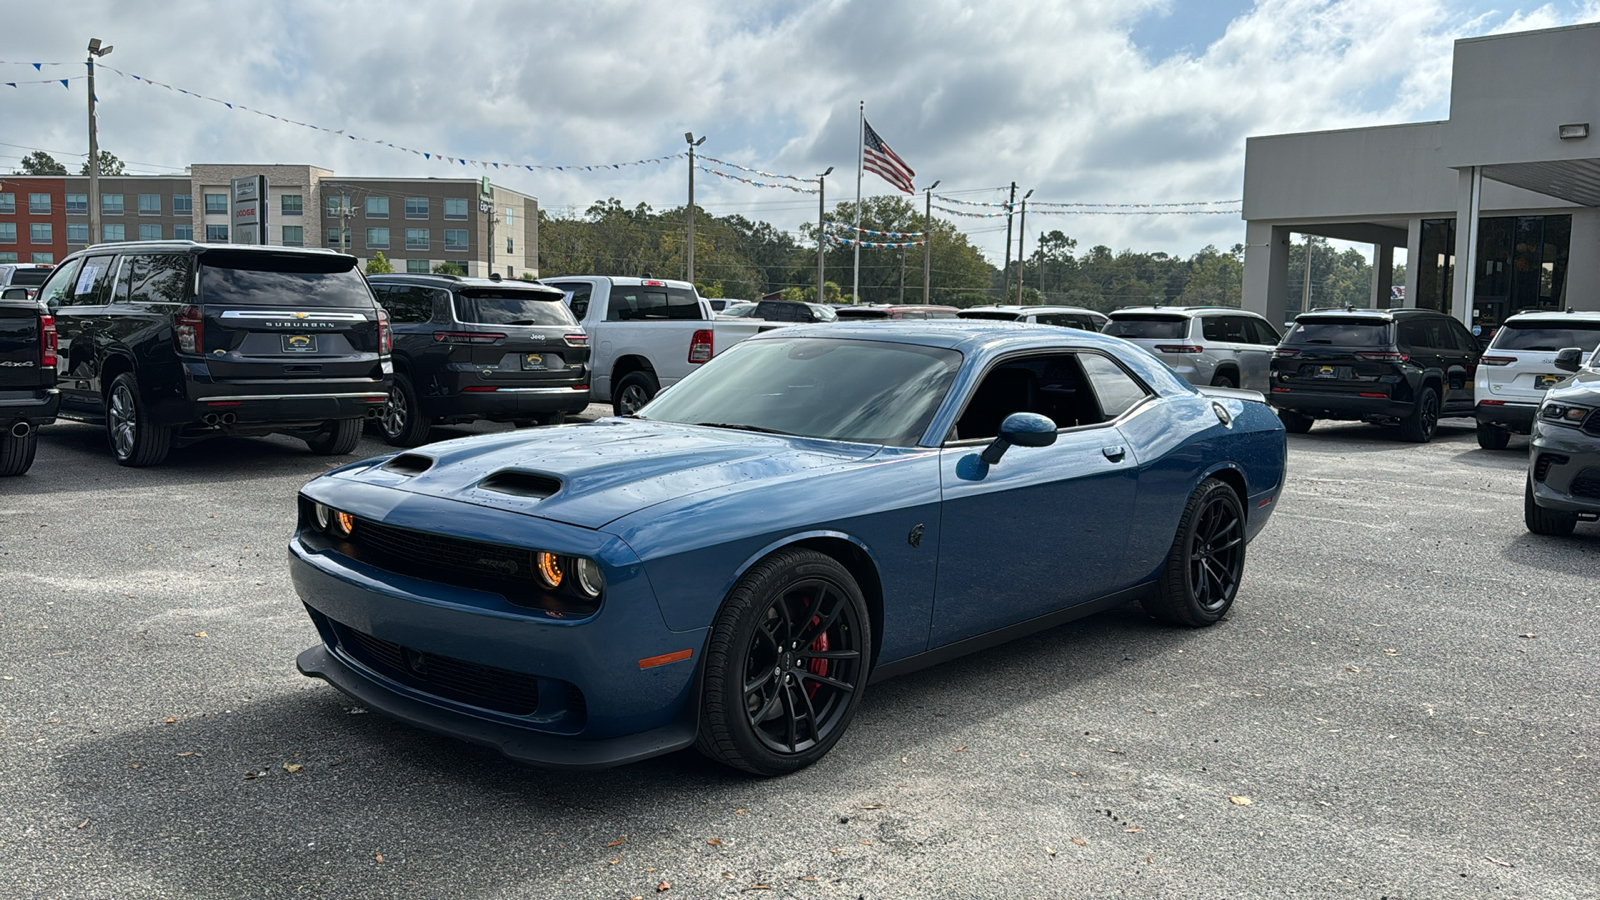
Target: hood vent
[
  {"x": 521, "y": 484},
  {"x": 408, "y": 464}
]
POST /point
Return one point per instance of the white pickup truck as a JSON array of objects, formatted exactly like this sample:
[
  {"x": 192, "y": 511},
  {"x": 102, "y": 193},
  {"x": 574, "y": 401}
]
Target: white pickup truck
[{"x": 645, "y": 334}]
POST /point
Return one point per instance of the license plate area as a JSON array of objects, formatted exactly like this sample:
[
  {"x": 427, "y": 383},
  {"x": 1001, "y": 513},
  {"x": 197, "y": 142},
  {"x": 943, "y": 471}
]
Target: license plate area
[
  {"x": 534, "y": 362},
  {"x": 298, "y": 343},
  {"x": 1325, "y": 372},
  {"x": 1546, "y": 381}
]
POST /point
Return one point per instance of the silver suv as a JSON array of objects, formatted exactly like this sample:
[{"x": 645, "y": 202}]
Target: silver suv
[
  {"x": 28, "y": 275},
  {"x": 1206, "y": 345}
]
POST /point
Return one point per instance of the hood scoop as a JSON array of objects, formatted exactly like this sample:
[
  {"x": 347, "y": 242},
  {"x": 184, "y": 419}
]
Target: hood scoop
[
  {"x": 530, "y": 485},
  {"x": 408, "y": 464}
]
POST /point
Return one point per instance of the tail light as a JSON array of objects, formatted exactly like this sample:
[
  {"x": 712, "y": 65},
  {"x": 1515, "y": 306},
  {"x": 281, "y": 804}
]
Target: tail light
[
  {"x": 700, "y": 346},
  {"x": 480, "y": 388},
  {"x": 189, "y": 329},
  {"x": 1497, "y": 360},
  {"x": 1384, "y": 356},
  {"x": 385, "y": 336},
  {"x": 47, "y": 342},
  {"x": 1180, "y": 348},
  {"x": 459, "y": 337},
  {"x": 1284, "y": 353},
  {"x": 578, "y": 339}
]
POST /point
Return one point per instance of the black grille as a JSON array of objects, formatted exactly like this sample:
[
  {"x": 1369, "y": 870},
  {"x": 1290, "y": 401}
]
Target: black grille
[
  {"x": 1541, "y": 466},
  {"x": 1587, "y": 484},
  {"x": 453, "y": 679},
  {"x": 469, "y": 564}
]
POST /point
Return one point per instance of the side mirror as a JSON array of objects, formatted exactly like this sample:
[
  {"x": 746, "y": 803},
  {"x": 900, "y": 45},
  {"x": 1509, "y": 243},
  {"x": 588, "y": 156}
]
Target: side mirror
[
  {"x": 1569, "y": 360},
  {"x": 1024, "y": 430},
  {"x": 14, "y": 293}
]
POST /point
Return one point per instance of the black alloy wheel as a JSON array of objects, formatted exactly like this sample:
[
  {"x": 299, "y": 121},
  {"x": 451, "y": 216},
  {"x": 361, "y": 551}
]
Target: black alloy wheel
[
  {"x": 1418, "y": 428},
  {"x": 402, "y": 422},
  {"x": 633, "y": 392},
  {"x": 785, "y": 665},
  {"x": 135, "y": 440},
  {"x": 1206, "y": 562}
]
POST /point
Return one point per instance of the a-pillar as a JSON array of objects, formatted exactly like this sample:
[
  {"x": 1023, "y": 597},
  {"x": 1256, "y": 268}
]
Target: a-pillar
[
  {"x": 1382, "y": 275},
  {"x": 1266, "y": 271}
]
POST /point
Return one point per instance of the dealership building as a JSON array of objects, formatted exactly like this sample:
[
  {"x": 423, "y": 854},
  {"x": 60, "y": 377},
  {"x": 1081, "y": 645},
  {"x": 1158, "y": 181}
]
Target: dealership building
[
  {"x": 416, "y": 223},
  {"x": 1499, "y": 203}
]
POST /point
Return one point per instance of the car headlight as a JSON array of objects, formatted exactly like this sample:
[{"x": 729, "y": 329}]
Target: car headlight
[
  {"x": 590, "y": 581},
  {"x": 1564, "y": 413},
  {"x": 321, "y": 515},
  {"x": 551, "y": 572}
]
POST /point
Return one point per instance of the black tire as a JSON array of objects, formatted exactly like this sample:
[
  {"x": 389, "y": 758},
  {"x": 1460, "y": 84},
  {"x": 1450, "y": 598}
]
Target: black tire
[
  {"x": 16, "y": 453},
  {"x": 337, "y": 437},
  {"x": 1418, "y": 428},
  {"x": 1225, "y": 379},
  {"x": 1539, "y": 520},
  {"x": 135, "y": 440},
  {"x": 555, "y": 418},
  {"x": 633, "y": 392},
  {"x": 402, "y": 422},
  {"x": 777, "y": 694},
  {"x": 1206, "y": 561},
  {"x": 1295, "y": 423},
  {"x": 1493, "y": 437}
]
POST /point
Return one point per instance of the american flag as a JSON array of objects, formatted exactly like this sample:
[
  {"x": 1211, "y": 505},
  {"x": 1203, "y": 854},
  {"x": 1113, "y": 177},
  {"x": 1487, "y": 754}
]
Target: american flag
[{"x": 877, "y": 157}]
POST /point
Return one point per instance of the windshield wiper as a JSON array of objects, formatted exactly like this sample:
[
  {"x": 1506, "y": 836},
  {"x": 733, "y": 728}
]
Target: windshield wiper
[{"x": 755, "y": 428}]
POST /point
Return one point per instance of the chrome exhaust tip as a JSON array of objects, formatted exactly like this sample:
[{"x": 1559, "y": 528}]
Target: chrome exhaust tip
[
  {"x": 21, "y": 429},
  {"x": 209, "y": 419},
  {"x": 228, "y": 418}
]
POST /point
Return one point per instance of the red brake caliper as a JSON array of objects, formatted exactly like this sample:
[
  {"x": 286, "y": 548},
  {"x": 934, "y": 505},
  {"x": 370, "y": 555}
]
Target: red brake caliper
[{"x": 818, "y": 667}]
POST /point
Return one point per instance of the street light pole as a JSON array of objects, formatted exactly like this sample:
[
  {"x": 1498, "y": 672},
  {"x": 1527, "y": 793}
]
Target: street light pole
[
  {"x": 688, "y": 137},
  {"x": 95, "y": 50},
  {"x": 822, "y": 213},
  {"x": 927, "y": 242},
  {"x": 1022, "y": 226},
  {"x": 1005, "y": 266}
]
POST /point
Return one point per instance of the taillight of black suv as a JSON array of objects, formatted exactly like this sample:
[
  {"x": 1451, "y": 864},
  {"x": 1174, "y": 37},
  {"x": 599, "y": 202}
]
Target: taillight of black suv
[{"x": 1405, "y": 367}]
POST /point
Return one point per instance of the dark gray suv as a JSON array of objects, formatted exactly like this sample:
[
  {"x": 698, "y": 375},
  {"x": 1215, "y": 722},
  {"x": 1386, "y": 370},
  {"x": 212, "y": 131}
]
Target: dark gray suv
[{"x": 1564, "y": 454}]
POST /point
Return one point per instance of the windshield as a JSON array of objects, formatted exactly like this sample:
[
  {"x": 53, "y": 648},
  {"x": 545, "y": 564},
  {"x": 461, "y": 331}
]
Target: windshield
[
  {"x": 1341, "y": 332},
  {"x": 235, "y": 278},
  {"x": 30, "y": 277},
  {"x": 873, "y": 392},
  {"x": 738, "y": 312},
  {"x": 1547, "y": 336},
  {"x": 1148, "y": 327},
  {"x": 501, "y": 306}
]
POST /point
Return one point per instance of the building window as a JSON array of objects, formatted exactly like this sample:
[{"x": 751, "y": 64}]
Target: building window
[
  {"x": 8, "y": 232},
  {"x": 510, "y": 246},
  {"x": 416, "y": 238},
  {"x": 291, "y": 204},
  {"x": 510, "y": 220},
  {"x": 149, "y": 204},
  {"x": 150, "y": 232},
  {"x": 333, "y": 237},
  {"x": 183, "y": 232},
  {"x": 378, "y": 237},
  {"x": 77, "y": 204},
  {"x": 455, "y": 207},
  {"x": 216, "y": 234},
  {"x": 8, "y": 257},
  {"x": 8, "y": 204},
  {"x": 77, "y": 232},
  {"x": 414, "y": 266},
  {"x": 113, "y": 233},
  {"x": 416, "y": 207},
  {"x": 508, "y": 272},
  {"x": 216, "y": 204},
  {"x": 333, "y": 207},
  {"x": 455, "y": 239},
  {"x": 182, "y": 205},
  {"x": 40, "y": 233},
  {"x": 294, "y": 235},
  {"x": 377, "y": 207},
  {"x": 39, "y": 204},
  {"x": 111, "y": 204},
  {"x": 43, "y": 259}
]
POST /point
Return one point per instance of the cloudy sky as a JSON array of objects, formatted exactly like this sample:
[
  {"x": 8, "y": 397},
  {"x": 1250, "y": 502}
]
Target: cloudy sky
[{"x": 1106, "y": 101}]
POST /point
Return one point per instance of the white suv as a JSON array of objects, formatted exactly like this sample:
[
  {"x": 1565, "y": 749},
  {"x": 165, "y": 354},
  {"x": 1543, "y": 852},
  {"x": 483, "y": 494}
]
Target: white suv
[
  {"x": 1519, "y": 366},
  {"x": 1206, "y": 345}
]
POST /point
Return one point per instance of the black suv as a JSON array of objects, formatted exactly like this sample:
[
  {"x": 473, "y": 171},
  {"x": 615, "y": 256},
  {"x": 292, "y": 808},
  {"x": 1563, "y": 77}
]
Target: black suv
[
  {"x": 169, "y": 342},
  {"x": 1393, "y": 366},
  {"x": 479, "y": 348}
]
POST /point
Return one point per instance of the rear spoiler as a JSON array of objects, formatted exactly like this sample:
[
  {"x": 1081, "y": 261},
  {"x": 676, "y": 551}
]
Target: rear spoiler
[{"x": 1235, "y": 393}]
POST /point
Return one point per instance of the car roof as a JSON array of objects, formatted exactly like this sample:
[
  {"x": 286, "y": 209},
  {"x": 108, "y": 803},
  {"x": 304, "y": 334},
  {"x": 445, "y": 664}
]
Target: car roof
[
  {"x": 462, "y": 281},
  {"x": 1387, "y": 315},
  {"x": 954, "y": 334},
  {"x": 1551, "y": 317},
  {"x": 1186, "y": 311},
  {"x": 624, "y": 279},
  {"x": 195, "y": 246}
]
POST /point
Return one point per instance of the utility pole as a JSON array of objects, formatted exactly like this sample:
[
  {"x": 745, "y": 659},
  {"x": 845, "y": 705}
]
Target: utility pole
[
  {"x": 1005, "y": 268},
  {"x": 902, "y": 299},
  {"x": 688, "y": 137},
  {"x": 927, "y": 242},
  {"x": 1305, "y": 291},
  {"x": 1022, "y": 237},
  {"x": 345, "y": 215},
  {"x": 487, "y": 208},
  {"x": 95, "y": 50},
  {"x": 822, "y": 212}
]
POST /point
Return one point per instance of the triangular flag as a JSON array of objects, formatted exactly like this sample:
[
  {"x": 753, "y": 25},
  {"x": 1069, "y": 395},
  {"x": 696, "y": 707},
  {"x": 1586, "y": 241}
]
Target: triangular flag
[
  {"x": 65, "y": 85},
  {"x": 36, "y": 67}
]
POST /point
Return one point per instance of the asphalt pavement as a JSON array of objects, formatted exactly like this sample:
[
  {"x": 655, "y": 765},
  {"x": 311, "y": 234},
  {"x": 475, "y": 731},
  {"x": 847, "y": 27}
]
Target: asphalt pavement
[{"x": 1402, "y": 704}]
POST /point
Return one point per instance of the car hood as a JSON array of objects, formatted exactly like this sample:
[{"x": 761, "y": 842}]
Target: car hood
[
  {"x": 1583, "y": 387},
  {"x": 594, "y": 473}
]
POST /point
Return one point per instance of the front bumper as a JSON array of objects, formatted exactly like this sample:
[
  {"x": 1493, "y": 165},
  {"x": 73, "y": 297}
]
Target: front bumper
[
  {"x": 1516, "y": 416},
  {"x": 36, "y": 407},
  {"x": 1564, "y": 468}
]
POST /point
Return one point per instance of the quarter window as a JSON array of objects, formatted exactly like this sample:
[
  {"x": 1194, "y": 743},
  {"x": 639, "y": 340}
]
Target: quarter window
[
  {"x": 1114, "y": 388},
  {"x": 407, "y": 304},
  {"x": 159, "y": 279}
]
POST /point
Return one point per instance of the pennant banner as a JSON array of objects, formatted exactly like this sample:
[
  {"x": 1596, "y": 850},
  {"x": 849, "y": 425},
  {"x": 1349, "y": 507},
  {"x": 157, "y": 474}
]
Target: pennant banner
[
  {"x": 892, "y": 235},
  {"x": 1035, "y": 203},
  {"x": 763, "y": 184},
  {"x": 60, "y": 81},
  {"x": 847, "y": 242},
  {"x": 756, "y": 171},
  {"x": 37, "y": 67}
]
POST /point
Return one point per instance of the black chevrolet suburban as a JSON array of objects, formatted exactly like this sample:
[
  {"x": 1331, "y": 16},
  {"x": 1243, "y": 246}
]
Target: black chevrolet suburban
[{"x": 170, "y": 342}]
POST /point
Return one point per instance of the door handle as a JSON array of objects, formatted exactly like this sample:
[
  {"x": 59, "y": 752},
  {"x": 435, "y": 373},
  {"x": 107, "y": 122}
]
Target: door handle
[{"x": 1114, "y": 454}]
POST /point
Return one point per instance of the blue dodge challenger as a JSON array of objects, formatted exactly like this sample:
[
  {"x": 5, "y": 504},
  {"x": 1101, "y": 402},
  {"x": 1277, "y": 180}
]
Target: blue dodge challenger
[{"x": 815, "y": 510}]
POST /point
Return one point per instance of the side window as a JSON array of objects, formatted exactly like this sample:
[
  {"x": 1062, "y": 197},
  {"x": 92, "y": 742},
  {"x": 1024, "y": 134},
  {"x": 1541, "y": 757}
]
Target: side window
[
  {"x": 1264, "y": 333},
  {"x": 159, "y": 278},
  {"x": 1115, "y": 388},
  {"x": 58, "y": 289},
  {"x": 406, "y": 304},
  {"x": 1052, "y": 386},
  {"x": 1212, "y": 330},
  {"x": 124, "y": 279},
  {"x": 1412, "y": 333},
  {"x": 1228, "y": 329},
  {"x": 1464, "y": 339},
  {"x": 90, "y": 285}
]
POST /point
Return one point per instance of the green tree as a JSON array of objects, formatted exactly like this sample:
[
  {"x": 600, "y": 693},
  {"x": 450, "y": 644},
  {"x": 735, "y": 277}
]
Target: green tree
[
  {"x": 40, "y": 163},
  {"x": 958, "y": 266},
  {"x": 109, "y": 165},
  {"x": 449, "y": 268},
  {"x": 379, "y": 265}
]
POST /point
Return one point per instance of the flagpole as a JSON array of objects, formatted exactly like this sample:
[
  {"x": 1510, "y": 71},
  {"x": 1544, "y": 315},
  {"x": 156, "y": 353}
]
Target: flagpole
[{"x": 861, "y": 140}]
